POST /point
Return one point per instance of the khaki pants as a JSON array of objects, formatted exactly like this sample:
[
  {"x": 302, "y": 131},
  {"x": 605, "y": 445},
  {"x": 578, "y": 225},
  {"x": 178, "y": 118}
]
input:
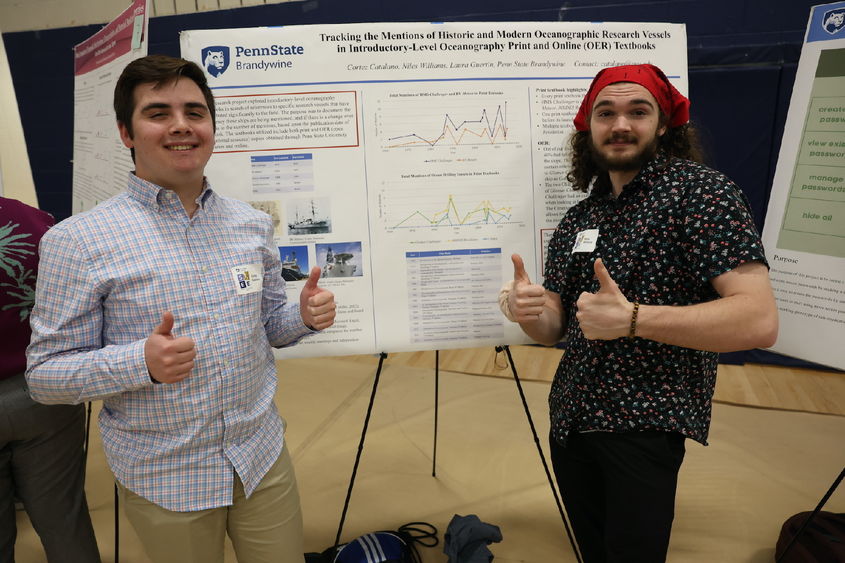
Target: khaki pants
[{"x": 265, "y": 528}]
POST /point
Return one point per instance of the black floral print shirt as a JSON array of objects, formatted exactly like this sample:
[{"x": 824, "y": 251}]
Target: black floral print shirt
[{"x": 676, "y": 226}]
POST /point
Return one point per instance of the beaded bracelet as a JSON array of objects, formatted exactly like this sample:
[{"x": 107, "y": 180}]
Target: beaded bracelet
[{"x": 633, "y": 330}]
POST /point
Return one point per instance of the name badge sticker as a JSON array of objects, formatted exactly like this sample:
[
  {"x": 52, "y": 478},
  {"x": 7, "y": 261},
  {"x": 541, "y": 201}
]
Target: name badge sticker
[
  {"x": 586, "y": 240},
  {"x": 249, "y": 278}
]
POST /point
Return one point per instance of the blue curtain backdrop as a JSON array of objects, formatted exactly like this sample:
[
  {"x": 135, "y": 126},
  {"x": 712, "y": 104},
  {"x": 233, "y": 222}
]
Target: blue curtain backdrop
[{"x": 742, "y": 54}]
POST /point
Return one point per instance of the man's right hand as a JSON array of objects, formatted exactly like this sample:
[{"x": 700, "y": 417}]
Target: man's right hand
[
  {"x": 526, "y": 300},
  {"x": 170, "y": 359}
]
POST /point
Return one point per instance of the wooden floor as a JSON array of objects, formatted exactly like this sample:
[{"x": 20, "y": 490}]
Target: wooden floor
[
  {"x": 753, "y": 385},
  {"x": 764, "y": 463}
]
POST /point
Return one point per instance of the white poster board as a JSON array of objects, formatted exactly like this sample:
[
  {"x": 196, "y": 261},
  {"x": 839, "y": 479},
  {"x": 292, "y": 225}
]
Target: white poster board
[
  {"x": 100, "y": 161},
  {"x": 804, "y": 233},
  {"x": 410, "y": 160}
]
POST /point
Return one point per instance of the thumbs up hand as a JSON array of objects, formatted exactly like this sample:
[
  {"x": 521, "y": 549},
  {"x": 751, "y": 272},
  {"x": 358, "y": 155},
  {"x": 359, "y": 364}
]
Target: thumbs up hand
[
  {"x": 169, "y": 359},
  {"x": 526, "y": 300},
  {"x": 606, "y": 314},
  {"x": 316, "y": 305}
]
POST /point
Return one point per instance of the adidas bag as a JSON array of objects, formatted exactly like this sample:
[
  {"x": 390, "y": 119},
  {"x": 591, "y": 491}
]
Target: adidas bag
[
  {"x": 376, "y": 547},
  {"x": 381, "y": 547}
]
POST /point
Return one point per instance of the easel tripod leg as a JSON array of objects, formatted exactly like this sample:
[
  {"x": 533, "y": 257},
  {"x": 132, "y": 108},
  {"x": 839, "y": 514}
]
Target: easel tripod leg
[
  {"x": 436, "y": 413},
  {"x": 812, "y": 515},
  {"x": 381, "y": 359},
  {"x": 507, "y": 351},
  {"x": 116, "y": 526}
]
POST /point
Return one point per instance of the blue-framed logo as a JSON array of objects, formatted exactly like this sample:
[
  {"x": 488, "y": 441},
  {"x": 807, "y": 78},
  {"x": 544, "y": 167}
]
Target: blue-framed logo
[
  {"x": 833, "y": 21},
  {"x": 215, "y": 59}
]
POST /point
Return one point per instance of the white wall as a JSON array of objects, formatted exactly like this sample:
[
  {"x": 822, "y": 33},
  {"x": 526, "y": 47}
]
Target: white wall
[
  {"x": 15, "y": 173},
  {"x": 28, "y": 15}
]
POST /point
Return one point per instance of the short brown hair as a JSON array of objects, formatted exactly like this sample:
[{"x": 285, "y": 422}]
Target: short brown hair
[{"x": 159, "y": 69}]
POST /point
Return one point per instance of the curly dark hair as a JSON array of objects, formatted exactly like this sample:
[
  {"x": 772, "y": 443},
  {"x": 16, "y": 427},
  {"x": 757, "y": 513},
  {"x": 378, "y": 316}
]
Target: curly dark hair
[{"x": 680, "y": 142}]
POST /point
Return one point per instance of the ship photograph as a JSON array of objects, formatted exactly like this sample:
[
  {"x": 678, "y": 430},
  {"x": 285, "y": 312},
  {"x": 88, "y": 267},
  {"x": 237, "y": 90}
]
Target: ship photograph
[
  {"x": 294, "y": 262},
  {"x": 309, "y": 217},
  {"x": 340, "y": 259}
]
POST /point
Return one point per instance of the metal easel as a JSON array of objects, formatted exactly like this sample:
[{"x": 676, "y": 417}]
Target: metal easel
[{"x": 499, "y": 349}]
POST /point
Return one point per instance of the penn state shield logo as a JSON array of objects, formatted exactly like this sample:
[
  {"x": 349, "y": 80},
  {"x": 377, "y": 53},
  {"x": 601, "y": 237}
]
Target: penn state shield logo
[
  {"x": 834, "y": 20},
  {"x": 215, "y": 59}
]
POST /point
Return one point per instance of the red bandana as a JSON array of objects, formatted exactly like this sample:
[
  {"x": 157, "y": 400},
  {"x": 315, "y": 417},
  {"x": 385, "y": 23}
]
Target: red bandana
[{"x": 674, "y": 104}]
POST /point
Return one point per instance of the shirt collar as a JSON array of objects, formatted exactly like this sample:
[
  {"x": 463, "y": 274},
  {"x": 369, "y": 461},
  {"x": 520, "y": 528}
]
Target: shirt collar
[
  {"x": 155, "y": 196},
  {"x": 651, "y": 173},
  {"x": 647, "y": 177}
]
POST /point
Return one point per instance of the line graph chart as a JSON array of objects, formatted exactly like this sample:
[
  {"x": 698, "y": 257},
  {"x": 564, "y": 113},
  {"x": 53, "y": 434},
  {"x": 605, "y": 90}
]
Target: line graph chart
[
  {"x": 467, "y": 132},
  {"x": 484, "y": 213},
  {"x": 447, "y": 119},
  {"x": 449, "y": 205},
  {"x": 449, "y": 159}
]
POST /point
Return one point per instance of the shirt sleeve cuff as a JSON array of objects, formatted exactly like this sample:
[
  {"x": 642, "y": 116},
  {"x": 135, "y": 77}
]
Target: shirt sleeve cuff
[
  {"x": 288, "y": 328},
  {"x": 129, "y": 365}
]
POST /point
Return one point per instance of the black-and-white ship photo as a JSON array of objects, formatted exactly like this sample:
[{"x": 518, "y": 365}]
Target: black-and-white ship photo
[{"x": 309, "y": 217}]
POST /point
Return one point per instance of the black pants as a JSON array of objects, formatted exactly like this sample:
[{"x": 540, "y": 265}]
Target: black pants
[
  {"x": 41, "y": 457},
  {"x": 619, "y": 492}
]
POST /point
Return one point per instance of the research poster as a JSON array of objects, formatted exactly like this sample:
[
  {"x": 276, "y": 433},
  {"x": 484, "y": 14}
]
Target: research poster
[
  {"x": 410, "y": 160},
  {"x": 804, "y": 233},
  {"x": 100, "y": 161}
]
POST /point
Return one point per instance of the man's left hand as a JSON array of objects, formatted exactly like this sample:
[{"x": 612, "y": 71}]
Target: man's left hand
[
  {"x": 606, "y": 314},
  {"x": 316, "y": 305}
]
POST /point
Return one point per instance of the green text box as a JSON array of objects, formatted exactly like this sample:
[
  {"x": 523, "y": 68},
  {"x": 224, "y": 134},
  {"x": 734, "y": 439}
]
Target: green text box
[
  {"x": 826, "y": 114},
  {"x": 825, "y": 148},
  {"x": 814, "y": 216},
  {"x": 823, "y": 235},
  {"x": 819, "y": 182}
]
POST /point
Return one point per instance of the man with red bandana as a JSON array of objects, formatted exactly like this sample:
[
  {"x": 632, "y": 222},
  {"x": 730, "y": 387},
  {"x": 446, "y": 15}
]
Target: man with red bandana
[{"x": 647, "y": 279}]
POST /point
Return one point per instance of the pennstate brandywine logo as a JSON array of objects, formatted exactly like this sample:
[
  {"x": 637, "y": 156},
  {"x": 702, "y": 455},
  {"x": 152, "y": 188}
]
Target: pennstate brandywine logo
[
  {"x": 215, "y": 59},
  {"x": 834, "y": 20}
]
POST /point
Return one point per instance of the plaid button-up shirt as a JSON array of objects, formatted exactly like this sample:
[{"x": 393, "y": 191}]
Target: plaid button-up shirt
[{"x": 106, "y": 276}]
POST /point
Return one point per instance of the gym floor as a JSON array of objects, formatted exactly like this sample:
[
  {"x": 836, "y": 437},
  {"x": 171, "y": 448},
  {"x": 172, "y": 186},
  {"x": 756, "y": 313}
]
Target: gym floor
[{"x": 775, "y": 449}]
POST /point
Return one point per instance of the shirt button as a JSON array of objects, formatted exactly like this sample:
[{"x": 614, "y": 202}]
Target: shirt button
[{"x": 204, "y": 269}]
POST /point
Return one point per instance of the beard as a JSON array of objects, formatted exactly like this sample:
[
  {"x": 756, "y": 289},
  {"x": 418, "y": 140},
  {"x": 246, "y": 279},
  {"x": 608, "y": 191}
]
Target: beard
[{"x": 631, "y": 163}]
